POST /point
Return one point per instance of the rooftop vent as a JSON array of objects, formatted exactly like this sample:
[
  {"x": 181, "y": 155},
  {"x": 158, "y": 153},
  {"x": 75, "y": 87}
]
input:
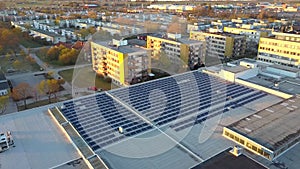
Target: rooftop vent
[{"x": 237, "y": 150}]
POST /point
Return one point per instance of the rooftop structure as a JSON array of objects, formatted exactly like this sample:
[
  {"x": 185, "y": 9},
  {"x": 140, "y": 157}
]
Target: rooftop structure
[
  {"x": 268, "y": 132},
  {"x": 276, "y": 79}
]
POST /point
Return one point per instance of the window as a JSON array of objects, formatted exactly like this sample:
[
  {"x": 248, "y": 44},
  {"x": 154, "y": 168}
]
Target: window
[{"x": 254, "y": 148}]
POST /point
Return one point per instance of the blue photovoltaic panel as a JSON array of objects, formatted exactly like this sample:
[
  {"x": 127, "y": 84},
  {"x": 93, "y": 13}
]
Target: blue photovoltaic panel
[
  {"x": 97, "y": 119},
  {"x": 186, "y": 98},
  {"x": 182, "y": 103}
]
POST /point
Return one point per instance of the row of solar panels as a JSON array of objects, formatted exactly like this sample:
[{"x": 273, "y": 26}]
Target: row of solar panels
[{"x": 182, "y": 98}]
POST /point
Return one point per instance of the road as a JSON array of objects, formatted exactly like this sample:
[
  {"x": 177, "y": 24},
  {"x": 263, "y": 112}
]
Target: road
[
  {"x": 55, "y": 71},
  {"x": 68, "y": 88}
]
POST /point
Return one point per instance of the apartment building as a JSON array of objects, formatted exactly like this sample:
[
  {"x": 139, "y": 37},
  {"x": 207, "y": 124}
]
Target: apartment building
[
  {"x": 176, "y": 48},
  {"x": 282, "y": 48},
  {"x": 120, "y": 61},
  {"x": 221, "y": 45},
  {"x": 252, "y": 35}
]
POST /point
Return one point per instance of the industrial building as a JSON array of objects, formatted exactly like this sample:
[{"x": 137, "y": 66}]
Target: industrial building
[
  {"x": 279, "y": 80},
  {"x": 120, "y": 61},
  {"x": 176, "y": 48},
  {"x": 221, "y": 45},
  {"x": 269, "y": 132},
  {"x": 282, "y": 48},
  {"x": 173, "y": 122}
]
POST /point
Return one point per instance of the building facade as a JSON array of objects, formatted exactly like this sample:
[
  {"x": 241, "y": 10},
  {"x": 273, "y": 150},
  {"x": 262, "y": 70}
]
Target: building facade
[
  {"x": 283, "y": 48},
  {"x": 252, "y": 35},
  {"x": 221, "y": 45},
  {"x": 120, "y": 61},
  {"x": 177, "y": 49}
]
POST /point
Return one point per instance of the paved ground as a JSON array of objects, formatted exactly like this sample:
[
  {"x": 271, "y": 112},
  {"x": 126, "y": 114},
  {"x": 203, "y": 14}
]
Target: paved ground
[{"x": 39, "y": 143}]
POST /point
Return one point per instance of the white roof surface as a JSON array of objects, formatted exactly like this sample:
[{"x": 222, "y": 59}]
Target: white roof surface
[{"x": 39, "y": 143}]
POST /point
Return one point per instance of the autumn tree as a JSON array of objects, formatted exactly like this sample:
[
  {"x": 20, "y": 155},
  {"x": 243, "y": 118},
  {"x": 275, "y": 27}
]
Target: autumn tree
[
  {"x": 22, "y": 92},
  {"x": 9, "y": 39},
  {"x": 3, "y": 103},
  {"x": 177, "y": 26},
  {"x": 92, "y": 14},
  {"x": 49, "y": 87},
  {"x": 68, "y": 56},
  {"x": 53, "y": 53},
  {"x": 83, "y": 33},
  {"x": 151, "y": 26}
]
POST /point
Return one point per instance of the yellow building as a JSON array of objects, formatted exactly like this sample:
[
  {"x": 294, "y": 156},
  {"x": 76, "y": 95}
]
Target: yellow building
[
  {"x": 283, "y": 48},
  {"x": 221, "y": 45},
  {"x": 176, "y": 48},
  {"x": 120, "y": 61}
]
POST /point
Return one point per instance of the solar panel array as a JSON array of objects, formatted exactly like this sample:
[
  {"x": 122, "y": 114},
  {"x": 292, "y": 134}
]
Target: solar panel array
[
  {"x": 184, "y": 101},
  {"x": 179, "y": 101},
  {"x": 98, "y": 118}
]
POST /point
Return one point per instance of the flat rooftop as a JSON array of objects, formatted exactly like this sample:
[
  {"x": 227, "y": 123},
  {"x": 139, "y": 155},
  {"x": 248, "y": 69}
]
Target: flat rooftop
[
  {"x": 285, "y": 84},
  {"x": 274, "y": 126},
  {"x": 235, "y": 69},
  {"x": 226, "y": 160},
  {"x": 165, "y": 123},
  {"x": 122, "y": 49},
  {"x": 39, "y": 143}
]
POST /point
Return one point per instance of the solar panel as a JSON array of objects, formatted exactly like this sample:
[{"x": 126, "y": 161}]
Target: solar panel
[{"x": 98, "y": 123}]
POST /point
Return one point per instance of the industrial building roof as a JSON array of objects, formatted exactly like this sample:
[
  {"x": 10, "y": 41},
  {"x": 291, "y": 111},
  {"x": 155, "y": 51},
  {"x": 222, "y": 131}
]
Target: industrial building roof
[
  {"x": 173, "y": 122},
  {"x": 163, "y": 116},
  {"x": 38, "y": 142},
  {"x": 226, "y": 160},
  {"x": 274, "y": 126}
]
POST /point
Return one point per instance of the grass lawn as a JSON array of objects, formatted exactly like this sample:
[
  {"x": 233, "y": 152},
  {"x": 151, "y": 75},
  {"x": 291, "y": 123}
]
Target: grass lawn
[
  {"x": 27, "y": 43},
  {"x": 24, "y": 64},
  {"x": 85, "y": 78}
]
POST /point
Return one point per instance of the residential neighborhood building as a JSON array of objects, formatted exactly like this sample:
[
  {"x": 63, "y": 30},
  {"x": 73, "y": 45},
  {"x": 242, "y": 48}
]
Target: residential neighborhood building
[
  {"x": 282, "y": 48},
  {"x": 120, "y": 61},
  {"x": 221, "y": 45},
  {"x": 252, "y": 35},
  {"x": 176, "y": 48},
  {"x": 4, "y": 87}
]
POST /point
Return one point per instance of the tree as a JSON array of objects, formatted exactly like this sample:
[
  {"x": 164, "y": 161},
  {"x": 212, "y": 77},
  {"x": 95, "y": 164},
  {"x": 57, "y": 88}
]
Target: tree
[
  {"x": 9, "y": 39},
  {"x": 49, "y": 87},
  {"x": 23, "y": 53},
  {"x": 53, "y": 53},
  {"x": 22, "y": 91},
  {"x": 3, "y": 104},
  {"x": 177, "y": 26},
  {"x": 92, "y": 14},
  {"x": 17, "y": 64},
  {"x": 83, "y": 33},
  {"x": 151, "y": 26}
]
